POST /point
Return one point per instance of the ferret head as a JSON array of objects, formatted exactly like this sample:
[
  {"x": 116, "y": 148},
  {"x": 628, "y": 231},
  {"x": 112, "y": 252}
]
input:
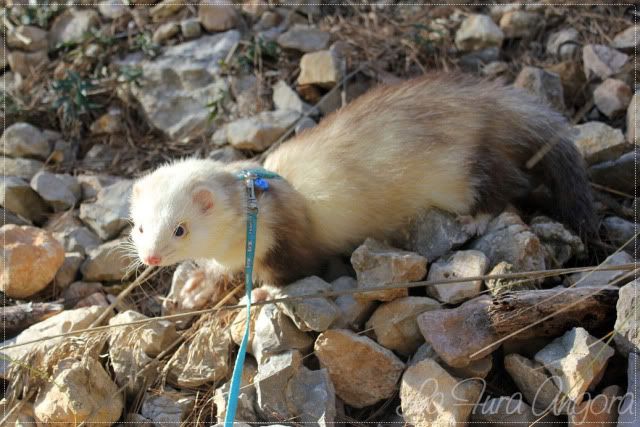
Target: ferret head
[{"x": 184, "y": 211}]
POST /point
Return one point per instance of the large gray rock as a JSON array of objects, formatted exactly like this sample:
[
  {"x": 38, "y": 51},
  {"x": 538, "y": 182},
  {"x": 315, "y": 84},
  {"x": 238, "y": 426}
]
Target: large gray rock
[
  {"x": 271, "y": 384},
  {"x": 18, "y": 197},
  {"x": 543, "y": 84},
  {"x": 304, "y": 39},
  {"x": 275, "y": 332},
  {"x": 107, "y": 262},
  {"x": 312, "y": 397},
  {"x": 534, "y": 382},
  {"x": 577, "y": 362},
  {"x": 25, "y": 140},
  {"x": 60, "y": 191},
  {"x": 479, "y": 368},
  {"x": 628, "y": 39},
  {"x": 168, "y": 408},
  {"x": 178, "y": 84},
  {"x": 72, "y": 25},
  {"x": 432, "y": 233},
  {"x": 21, "y": 167},
  {"x": 627, "y": 327},
  {"x": 217, "y": 15},
  {"x": 69, "y": 269},
  {"x": 620, "y": 231},
  {"x": 478, "y": 32},
  {"x": 109, "y": 214},
  {"x": 602, "y": 61},
  {"x": 246, "y": 398},
  {"x": 362, "y": 371},
  {"x": 603, "y": 278},
  {"x": 394, "y": 324},
  {"x": 598, "y": 142},
  {"x": 619, "y": 174},
  {"x": 508, "y": 238},
  {"x": 309, "y": 314},
  {"x": 353, "y": 311},
  {"x": 458, "y": 265},
  {"x": 563, "y": 43},
  {"x": 377, "y": 265},
  {"x": 559, "y": 243},
  {"x": 612, "y": 97}
]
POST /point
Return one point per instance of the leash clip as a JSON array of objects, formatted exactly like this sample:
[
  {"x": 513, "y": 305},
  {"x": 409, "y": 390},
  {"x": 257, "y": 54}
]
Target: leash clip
[{"x": 249, "y": 180}]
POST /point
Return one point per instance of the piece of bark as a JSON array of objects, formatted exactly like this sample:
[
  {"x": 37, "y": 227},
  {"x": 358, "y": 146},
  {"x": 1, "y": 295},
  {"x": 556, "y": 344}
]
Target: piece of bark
[
  {"x": 16, "y": 318},
  {"x": 590, "y": 308}
]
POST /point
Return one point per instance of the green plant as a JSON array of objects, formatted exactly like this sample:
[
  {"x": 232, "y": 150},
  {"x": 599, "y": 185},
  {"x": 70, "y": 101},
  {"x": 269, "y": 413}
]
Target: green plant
[
  {"x": 144, "y": 42},
  {"x": 258, "y": 49},
  {"x": 216, "y": 105},
  {"x": 73, "y": 96},
  {"x": 129, "y": 74}
]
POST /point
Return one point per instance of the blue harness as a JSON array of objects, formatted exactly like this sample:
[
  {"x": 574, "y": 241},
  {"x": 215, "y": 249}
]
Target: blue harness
[{"x": 253, "y": 178}]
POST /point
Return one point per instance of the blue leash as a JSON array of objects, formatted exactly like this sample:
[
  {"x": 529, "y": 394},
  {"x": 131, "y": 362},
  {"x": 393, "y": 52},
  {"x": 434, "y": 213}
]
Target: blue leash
[{"x": 253, "y": 178}]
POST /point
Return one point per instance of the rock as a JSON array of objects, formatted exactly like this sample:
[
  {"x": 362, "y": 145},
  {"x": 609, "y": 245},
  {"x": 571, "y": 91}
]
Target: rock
[
  {"x": 477, "y": 369},
  {"x": 67, "y": 321},
  {"x": 27, "y": 63},
  {"x": 246, "y": 398},
  {"x": 362, "y": 376},
  {"x": 92, "y": 184},
  {"x": 113, "y": 9},
  {"x": 165, "y": 32},
  {"x": 627, "y": 410},
  {"x": 460, "y": 264},
  {"x": 520, "y": 24},
  {"x": 109, "y": 123},
  {"x": 69, "y": 269},
  {"x": 508, "y": 239},
  {"x": 506, "y": 411},
  {"x": 304, "y": 39},
  {"x": 203, "y": 359},
  {"x": 275, "y": 332},
  {"x": 20, "y": 167},
  {"x": 31, "y": 258},
  {"x": 25, "y": 140},
  {"x": 429, "y": 396},
  {"x": 285, "y": 98},
  {"x": 77, "y": 238},
  {"x": 612, "y": 97},
  {"x": 107, "y": 262},
  {"x": 534, "y": 382},
  {"x": 377, "y": 265},
  {"x": 7, "y": 217},
  {"x": 627, "y": 327},
  {"x": 64, "y": 152},
  {"x": 602, "y": 61},
  {"x": 563, "y": 43},
  {"x": 249, "y": 95},
  {"x": 627, "y": 40},
  {"x": 166, "y": 409},
  {"x": 353, "y": 311},
  {"x": 178, "y": 83},
  {"x": 478, "y": 32},
  {"x": 601, "y": 410},
  {"x": 432, "y": 233},
  {"x": 18, "y": 197},
  {"x": 304, "y": 124},
  {"x": 99, "y": 156},
  {"x": 80, "y": 391},
  {"x": 319, "y": 68},
  {"x": 394, "y": 323},
  {"x": 109, "y": 214},
  {"x": 620, "y": 231},
  {"x": 495, "y": 68},
  {"x": 499, "y": 286},
  {"x": 576, "y": 360},
  {"x": 633, "y": 124},
  {"x": 165, "y": 9},
  {"x": 226, "y": 154},
  {"x": 603, "y": 278},
  {"x": 559, "y": 243},
  {"x": 190, "y": 28},
  {"x": 78, "y": 291},
  {"x": 71, "y": 26},
  {"x": 618, "y": 174},
  {"x": 271, "y": 384},
  {"x": 133, "y": 347},
  {"x": 60, "y": 191},
  {"x": 259, "y": 132},
  {"x": 457, "y": 333},
  {"x": 309, "y": 314},
  {"x": 312, "y": 397},
  {"x": 217, "y": 16},
  {"x": 28, "y": 38},
  {"x": 545, "y": 85}
]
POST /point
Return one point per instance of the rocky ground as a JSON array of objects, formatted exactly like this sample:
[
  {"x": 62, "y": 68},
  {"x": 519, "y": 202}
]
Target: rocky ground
[{"x": 95, "y": 95}]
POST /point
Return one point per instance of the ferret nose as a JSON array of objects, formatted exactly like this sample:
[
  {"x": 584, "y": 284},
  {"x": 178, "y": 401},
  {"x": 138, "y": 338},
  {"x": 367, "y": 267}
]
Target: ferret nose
[{"x": 152, "y": 260}]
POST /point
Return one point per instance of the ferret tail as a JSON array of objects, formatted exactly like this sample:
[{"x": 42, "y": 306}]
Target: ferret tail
[{"x": 559, "y": 165}]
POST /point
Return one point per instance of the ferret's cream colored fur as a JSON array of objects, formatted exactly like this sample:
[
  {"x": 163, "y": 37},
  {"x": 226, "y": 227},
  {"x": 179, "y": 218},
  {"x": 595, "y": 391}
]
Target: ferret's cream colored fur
[{"x": 452, "y": 142}]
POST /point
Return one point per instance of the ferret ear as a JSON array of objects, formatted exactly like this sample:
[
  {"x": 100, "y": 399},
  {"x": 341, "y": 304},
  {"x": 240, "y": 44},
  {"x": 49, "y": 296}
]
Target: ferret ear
[{"x": 203, "y": 198}]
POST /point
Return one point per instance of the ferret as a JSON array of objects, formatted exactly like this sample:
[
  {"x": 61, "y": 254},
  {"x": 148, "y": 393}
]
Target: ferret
[{"x": 452, "y": 142}]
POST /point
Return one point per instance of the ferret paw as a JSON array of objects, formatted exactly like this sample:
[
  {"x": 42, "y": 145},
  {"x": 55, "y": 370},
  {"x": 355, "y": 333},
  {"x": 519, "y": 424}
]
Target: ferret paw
[
  {"x": 259, "y": 295},
  {"x": 475, "y": 225}
]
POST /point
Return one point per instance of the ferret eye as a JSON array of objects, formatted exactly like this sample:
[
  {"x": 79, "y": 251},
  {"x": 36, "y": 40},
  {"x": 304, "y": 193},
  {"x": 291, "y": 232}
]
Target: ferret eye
[
  {"x": 140, "y": 229},
  {"x": 180, "y": 231}
]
